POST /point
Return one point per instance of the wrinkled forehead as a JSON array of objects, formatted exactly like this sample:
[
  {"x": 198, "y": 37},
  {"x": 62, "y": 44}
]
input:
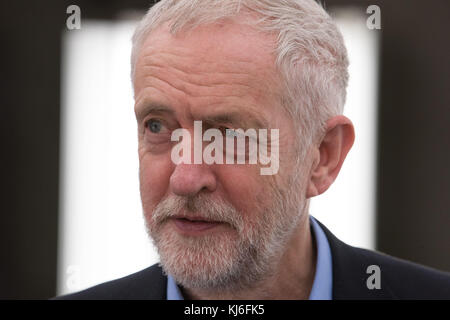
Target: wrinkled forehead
[{"x": 225, "y": 46}]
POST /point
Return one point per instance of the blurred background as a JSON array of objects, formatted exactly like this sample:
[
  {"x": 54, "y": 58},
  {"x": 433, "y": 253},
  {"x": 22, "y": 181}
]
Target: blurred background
[{"x": 70, "y": 209}]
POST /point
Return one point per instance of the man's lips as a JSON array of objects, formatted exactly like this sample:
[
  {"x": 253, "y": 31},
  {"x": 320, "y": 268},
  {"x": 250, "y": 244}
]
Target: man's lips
[
  {"x": 194, "y": 218},
  {"x": 194, "y": 225}
]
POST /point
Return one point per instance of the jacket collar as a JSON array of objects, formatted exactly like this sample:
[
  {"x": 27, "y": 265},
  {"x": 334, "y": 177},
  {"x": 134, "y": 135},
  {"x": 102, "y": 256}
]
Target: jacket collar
[{"x": 349, "y": 271}]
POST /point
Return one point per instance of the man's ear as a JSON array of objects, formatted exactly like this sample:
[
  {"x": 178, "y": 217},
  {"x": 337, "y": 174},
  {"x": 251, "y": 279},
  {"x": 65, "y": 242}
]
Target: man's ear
[{"x": 330, "y": 155}]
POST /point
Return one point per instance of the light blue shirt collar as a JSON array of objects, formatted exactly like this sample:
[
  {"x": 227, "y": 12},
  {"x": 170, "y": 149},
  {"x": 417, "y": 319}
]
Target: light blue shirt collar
[
  {"x": 322, "y": 288},
  {"x": 323, "y": 278}
]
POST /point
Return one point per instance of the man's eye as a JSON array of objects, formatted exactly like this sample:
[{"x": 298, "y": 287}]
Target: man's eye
[
  {"x": 227, "y": 132},
  {"x": 155, "y": 126},
  {"x": 231, "y": 133}
]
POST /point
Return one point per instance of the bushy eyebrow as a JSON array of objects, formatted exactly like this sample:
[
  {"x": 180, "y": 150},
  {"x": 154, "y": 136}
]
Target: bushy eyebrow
[
  {"x": 156, "y": 108},
  {"x": 244, "y": 120}
]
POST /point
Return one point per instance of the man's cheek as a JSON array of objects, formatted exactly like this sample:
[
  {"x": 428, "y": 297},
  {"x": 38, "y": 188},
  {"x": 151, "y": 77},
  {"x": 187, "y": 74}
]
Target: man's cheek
[
  {"x": 154, "y": 181},
  {"x": 242, "y": 185}
]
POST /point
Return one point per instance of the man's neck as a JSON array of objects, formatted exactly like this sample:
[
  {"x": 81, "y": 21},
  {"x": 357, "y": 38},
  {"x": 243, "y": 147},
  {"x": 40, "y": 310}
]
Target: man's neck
[{"x": 292, "y": 278}]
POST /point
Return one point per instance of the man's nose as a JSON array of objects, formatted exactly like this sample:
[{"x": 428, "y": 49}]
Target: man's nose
[{"x": 190, "y": 179}]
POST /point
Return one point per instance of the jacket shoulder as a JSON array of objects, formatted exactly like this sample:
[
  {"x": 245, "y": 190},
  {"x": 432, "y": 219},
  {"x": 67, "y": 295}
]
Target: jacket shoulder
[
  {"x": 398, "y": 278},
  {"x": 147, "y": 284},
  {"x": 408, "y": 280}
]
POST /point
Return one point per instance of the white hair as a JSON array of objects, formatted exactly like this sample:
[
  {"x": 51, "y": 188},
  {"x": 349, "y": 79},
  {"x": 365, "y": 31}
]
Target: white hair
[{"x": 310, "y": 53}]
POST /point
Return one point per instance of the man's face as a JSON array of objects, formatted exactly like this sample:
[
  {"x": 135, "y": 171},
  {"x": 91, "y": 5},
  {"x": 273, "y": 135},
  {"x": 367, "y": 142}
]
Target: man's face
[{"x": 218, "y": 225}]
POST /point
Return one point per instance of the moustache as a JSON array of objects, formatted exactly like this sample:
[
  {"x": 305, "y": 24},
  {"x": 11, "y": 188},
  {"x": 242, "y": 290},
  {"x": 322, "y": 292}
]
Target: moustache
[{"x": 199, "y": 207}]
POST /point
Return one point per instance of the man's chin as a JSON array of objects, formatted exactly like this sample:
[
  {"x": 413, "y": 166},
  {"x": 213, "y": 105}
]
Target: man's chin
[{"x": 207, "y": 261}]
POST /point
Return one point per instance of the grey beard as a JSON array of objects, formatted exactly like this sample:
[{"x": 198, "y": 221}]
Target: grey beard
[{"x": 223, "y": 261}]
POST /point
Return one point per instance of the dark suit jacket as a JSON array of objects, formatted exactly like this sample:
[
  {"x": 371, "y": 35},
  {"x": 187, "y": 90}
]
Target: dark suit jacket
[{"x": 400, "y": 279}]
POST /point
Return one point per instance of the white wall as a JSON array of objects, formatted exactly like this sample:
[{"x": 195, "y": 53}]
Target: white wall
[
  {"x": 102, "y": 234},
  {"x": 348, "y": 207}
]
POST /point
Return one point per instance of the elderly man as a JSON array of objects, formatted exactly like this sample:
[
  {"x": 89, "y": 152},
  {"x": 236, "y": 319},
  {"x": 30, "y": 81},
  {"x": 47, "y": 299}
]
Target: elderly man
[{"x": 223, "y": 229}]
